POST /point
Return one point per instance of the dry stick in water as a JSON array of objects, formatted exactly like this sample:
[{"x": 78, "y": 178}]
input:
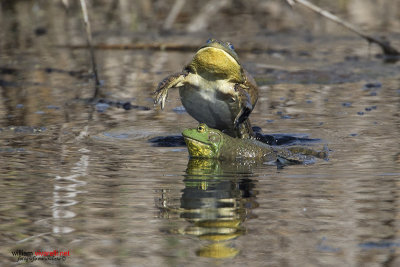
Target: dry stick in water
[
  {"x": 384, "y": 44},
  {"x": 89, "y": 40}
]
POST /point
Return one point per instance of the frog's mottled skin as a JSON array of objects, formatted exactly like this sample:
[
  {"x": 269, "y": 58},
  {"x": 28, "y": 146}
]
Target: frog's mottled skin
[
  {"x": 205, "y": 142},
  {"x": 215, "y": 89}
]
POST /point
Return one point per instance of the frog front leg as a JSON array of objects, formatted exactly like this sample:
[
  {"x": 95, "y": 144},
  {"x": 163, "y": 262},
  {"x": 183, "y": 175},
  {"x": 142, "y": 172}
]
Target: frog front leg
[{"x": 161, "y": 93}]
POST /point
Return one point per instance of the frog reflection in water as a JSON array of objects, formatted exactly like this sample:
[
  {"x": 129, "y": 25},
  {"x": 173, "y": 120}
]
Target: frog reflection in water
[
  {"x": 205, "y": 142},
  {"x": 215, "y": 89},
  {"x": 218, "y": 197}
]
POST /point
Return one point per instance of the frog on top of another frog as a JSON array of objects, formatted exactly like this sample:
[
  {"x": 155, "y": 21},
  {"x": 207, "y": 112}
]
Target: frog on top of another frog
[{"x": 215, "y": 89}]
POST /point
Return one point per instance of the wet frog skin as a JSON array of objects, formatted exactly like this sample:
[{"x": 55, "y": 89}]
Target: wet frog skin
[
  {"x": 205, "y": 142},
  {"x": 215, "y": 89}
]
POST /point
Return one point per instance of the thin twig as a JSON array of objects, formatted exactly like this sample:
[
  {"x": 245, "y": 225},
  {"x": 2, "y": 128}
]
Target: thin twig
[
  {"x": 175, "y": 10},
  {"x": 290, "y": 2},
  {"x": 209, "y": 10},
  {"x": 384, "y": 44},
  {"x": 89, "y": 41},
  {"x": 65, "y": 3}
]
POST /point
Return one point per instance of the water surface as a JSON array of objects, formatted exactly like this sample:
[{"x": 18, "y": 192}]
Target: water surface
[{"x": 83, "y": 177}]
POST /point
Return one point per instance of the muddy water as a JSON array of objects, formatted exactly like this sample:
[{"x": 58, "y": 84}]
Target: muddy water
[{"x": 83, "y": 177}]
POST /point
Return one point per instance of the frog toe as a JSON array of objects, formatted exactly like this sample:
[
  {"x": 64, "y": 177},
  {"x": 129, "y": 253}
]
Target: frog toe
[
  {"x": 161, "y": 93},
  {"x": 242, "y": 116},
  {"x": 161, "y": 98}
]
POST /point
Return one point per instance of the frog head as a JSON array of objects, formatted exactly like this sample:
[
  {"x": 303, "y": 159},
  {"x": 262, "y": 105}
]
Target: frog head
[
  {"x": 203, "y": 142},
  {"x": 217, "y": 60}
]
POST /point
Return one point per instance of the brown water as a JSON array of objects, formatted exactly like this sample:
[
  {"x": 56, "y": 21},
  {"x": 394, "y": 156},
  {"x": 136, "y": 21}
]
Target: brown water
[{"x": 82, "y": 177}]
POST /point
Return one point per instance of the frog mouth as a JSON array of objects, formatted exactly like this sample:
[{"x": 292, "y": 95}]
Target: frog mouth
[
  {"x": 194, "y": 141},
  {"x": 198, "y": 149}
]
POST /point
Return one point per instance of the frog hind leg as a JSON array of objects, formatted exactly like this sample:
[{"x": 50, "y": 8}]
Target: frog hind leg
[
  {"x": 323, "y": 154},
  {"x": 282, "y": 162},
  {"x": 245, "y": 105},
  {"x": 245, "y": 130},
  {"x": 161, "y": 93}
]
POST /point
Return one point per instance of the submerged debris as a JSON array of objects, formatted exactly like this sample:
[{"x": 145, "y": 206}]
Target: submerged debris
[{"x": 23, "y": 129}]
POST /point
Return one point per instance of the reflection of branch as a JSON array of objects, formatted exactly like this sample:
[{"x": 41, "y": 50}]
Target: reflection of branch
[
  {"x": 384, "y": 44},
  {"x": 89, "y": 41},
  {"x": 32, "y": 237}
]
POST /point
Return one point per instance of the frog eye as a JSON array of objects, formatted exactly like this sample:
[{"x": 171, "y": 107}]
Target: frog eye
[
  {"x": 231, "y": 46},
  {"x": 201, "y": 128}
]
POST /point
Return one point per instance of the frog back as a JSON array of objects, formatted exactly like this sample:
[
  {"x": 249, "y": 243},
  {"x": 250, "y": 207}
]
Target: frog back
[{"x": 235, "y": 148}]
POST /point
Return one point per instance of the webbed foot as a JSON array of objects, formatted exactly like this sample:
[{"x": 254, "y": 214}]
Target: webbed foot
[{"x": 161, "y": 93}]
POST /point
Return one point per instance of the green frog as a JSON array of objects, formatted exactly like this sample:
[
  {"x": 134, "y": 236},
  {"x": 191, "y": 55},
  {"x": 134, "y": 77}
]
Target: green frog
[
  {"x": 215, "y": 89},
  {"x": 205, "y": 142}
]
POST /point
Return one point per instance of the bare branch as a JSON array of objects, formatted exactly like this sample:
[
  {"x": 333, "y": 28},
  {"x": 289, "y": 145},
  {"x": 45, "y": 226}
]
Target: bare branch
[
  {"x": 91, "y": 49},
  {"x": 384, "y": 44},
  {"x": 65, "y": 3},
  {"x": 290, "y": 3}
]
